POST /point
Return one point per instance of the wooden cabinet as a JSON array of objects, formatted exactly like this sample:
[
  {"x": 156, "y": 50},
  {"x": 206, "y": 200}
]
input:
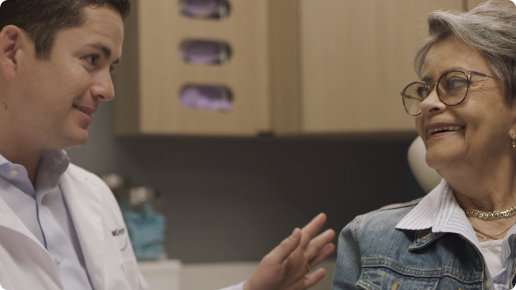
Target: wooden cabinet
[
  {"x": 357, "y": 57},
  {"x": 263, "y": 67},
  {"x": 470, "y": 4},
  {"x": 298, "y": 66}
]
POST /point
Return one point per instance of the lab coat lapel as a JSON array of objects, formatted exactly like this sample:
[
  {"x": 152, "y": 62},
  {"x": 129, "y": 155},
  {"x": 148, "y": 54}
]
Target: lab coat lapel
[
  {"x": 84, "y": 203},
  {"x": 9, "y": 219}
]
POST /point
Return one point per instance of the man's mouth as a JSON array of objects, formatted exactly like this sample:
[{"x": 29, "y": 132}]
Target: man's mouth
[
  {"x": 85, "y": 112},
  {"x": 442, "y": 129}
]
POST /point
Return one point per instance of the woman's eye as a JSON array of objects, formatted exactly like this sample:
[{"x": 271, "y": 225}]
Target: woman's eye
[
  {"x": 456, "y": 83},
  {"x": 422, "y": 93}
]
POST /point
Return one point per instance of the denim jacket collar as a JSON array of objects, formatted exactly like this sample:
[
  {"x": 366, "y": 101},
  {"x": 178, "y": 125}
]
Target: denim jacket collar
[
  {"x": 423, "y": 238},
  {"x": 439, "y": 213}
]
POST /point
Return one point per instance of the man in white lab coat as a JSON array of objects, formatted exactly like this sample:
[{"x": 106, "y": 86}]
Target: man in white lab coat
[{"x": 60, "y": 227}]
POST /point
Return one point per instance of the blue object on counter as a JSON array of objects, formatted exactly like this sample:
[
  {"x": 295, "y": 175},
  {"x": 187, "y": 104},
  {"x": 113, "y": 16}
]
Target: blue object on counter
[{"x": 146, "y": 230}]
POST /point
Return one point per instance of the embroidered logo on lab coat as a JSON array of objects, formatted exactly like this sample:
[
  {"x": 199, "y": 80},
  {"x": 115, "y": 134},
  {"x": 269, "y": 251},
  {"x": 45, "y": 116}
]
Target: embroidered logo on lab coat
[
  {"x": 123, "y": 242},
  {"x": 116, "y": 232},
  {"x": 122, "y": 248}
]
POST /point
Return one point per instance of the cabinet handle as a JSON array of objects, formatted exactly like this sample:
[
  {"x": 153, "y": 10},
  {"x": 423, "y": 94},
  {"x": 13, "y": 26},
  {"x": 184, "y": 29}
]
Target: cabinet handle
[
  {"x": 205, "y": 52},
  {"x": 210, "y": 98},
  {"x": 205, "y": 9}
]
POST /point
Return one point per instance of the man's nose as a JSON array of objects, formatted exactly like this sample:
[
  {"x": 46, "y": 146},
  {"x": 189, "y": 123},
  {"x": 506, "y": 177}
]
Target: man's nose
[{"x": 103, "y": 87}]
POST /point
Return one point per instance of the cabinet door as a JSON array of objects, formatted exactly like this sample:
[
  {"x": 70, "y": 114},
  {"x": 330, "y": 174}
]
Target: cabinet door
[
  {"x": 473, "y": 3},
  {"x": 154, "y": 73},
  {"x": 356, "y": 57}
]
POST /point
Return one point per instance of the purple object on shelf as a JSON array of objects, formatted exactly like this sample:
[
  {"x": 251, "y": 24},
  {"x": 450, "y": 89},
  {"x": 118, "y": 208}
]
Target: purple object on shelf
[
  {"x": 211, "y": 98},
  {"x": 205, "y": 52},
  {"x": 211, "y": 9}
]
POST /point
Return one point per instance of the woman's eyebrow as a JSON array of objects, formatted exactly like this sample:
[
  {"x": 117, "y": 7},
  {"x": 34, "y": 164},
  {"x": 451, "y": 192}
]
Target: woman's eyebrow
[{"x": 455, "y": 68}]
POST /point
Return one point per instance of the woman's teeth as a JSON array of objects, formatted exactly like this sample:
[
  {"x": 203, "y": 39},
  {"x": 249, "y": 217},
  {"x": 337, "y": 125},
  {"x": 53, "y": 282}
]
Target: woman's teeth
[{"x": 443, "y": 129}]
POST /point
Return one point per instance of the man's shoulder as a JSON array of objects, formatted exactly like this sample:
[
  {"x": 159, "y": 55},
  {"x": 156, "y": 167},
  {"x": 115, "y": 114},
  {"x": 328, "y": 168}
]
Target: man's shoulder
[
  {"x": 76, "y": 175},
  {"x": 79, "y": 174}
]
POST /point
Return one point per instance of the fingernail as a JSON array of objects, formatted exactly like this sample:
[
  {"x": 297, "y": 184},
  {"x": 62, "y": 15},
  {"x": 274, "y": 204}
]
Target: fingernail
[{"x": 296, "y": 234}]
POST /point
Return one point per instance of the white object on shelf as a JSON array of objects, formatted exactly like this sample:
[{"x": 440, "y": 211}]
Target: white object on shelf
[
  {"x": 162, "y": 275},
  {"x": 426, "y": 176}
]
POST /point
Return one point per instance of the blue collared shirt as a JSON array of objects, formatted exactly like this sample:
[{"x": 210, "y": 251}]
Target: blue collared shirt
[
  {"x": 440, "y": 211},
  {"x": 44, "y": 212}
]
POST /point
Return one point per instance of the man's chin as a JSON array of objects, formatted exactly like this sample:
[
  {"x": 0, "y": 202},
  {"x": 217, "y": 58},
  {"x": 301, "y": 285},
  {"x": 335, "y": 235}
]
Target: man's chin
[{"x": 76, "y": 141}]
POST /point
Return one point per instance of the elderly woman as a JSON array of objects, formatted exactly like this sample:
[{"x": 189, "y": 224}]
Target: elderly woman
[{"x": 462, "y": 234}]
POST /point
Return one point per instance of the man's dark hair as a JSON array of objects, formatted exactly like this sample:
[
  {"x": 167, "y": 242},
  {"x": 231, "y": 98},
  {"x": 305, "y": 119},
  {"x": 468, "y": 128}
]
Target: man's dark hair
[{"x": 42, "y": 19}]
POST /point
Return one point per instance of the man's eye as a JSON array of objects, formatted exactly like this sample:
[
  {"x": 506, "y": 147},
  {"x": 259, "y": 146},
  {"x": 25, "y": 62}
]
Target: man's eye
[{"x": 91, "y": 59}]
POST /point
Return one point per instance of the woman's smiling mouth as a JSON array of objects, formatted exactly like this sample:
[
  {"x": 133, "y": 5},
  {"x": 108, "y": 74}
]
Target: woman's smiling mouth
[{"x": 443, "y": 129}]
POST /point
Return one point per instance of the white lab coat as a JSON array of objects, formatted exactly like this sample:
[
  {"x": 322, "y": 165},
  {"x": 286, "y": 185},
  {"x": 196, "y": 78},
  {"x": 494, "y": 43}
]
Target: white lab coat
[{"x": 108, "y": 253}]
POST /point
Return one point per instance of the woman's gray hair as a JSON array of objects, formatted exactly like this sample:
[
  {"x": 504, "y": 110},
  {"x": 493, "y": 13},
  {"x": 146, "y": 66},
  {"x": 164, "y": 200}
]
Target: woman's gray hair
[{"x": 489, "y": 28}]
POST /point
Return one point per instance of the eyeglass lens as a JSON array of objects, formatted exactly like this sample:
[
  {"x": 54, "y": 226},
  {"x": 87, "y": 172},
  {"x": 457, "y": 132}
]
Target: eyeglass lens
[{"x": 452, "y": 89}]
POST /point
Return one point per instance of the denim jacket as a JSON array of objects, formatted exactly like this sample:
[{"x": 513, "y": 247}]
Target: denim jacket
[{"x": 372, "y": 254}]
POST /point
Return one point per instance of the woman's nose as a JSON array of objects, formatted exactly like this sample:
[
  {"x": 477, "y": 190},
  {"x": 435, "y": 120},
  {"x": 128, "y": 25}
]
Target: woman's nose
[{"x": 432, "y": 104}]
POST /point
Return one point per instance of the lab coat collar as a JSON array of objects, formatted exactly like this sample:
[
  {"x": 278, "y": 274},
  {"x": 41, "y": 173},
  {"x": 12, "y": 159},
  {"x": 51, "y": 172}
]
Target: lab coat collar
[{"x": 84, "y": 203}]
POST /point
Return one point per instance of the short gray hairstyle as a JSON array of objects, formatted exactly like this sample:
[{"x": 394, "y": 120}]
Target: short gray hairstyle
[{"x": 490, "y": 28}]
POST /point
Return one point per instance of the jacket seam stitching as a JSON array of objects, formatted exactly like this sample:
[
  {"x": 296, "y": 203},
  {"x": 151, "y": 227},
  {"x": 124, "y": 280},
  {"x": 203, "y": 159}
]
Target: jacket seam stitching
[{"x": 452, "y": 273}]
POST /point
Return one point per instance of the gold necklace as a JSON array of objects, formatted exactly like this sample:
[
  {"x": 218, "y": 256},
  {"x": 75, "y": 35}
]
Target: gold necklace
[
  {"x": 493, "y": 236},
  {"x": 485, "y": 237},
  {"x": 494, "y": 215}
]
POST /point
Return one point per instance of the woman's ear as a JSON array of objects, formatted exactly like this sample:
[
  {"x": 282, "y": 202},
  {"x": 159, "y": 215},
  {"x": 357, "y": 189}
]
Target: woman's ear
[
  {"x": 512, "y": 132},
  {"x": 11, "y": 40}
]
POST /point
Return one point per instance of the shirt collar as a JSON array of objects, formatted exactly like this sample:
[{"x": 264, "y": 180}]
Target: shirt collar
[
  {"x": 50, "y": 169},
  {"x": 424, "y": 214},
  {"x": 440, "y": 212},
  {"x": 3, "y": 161},
  {"x": 54, "y": 160}
]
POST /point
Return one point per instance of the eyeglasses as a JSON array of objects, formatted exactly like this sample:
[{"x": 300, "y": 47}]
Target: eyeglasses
[{"x": 452, "y": 88}]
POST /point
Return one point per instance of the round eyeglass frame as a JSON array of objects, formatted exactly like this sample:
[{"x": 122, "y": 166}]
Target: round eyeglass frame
[{"x": 430, "y": 87}]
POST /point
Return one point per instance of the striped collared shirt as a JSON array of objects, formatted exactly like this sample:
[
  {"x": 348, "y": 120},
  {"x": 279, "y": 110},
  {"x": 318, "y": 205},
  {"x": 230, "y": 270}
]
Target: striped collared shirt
[{"x": 440, "y": 211}]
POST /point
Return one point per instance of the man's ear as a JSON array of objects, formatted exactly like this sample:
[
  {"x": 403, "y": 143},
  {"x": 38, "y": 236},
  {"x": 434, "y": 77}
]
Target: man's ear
[{"x": 11, "y": 40}]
